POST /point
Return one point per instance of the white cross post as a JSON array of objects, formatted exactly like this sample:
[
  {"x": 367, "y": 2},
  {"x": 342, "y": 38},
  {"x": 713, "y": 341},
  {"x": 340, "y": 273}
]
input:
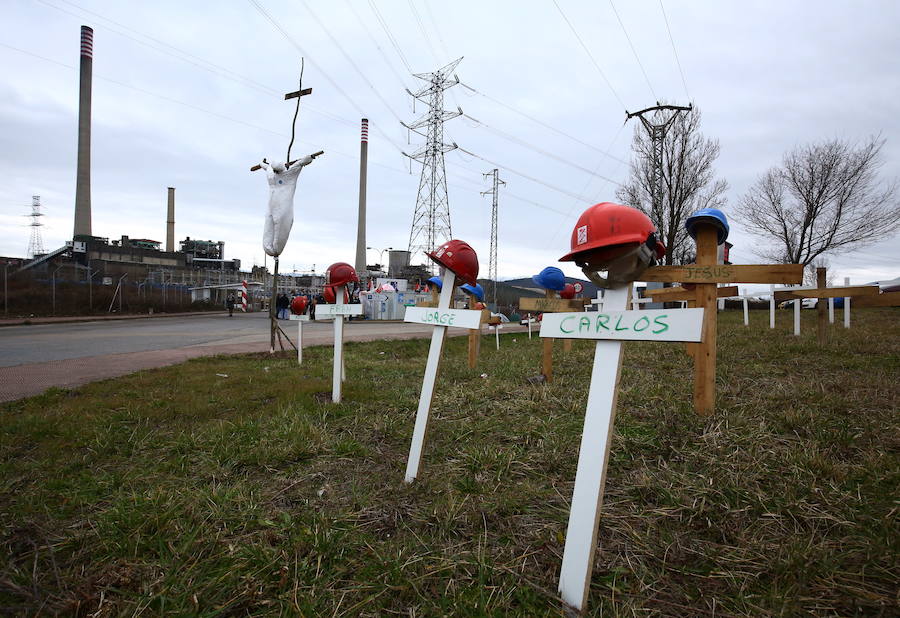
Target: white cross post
[
  {"x": 846, "y": 305},
  {"x": 797, "y": 305},
  {"x": 441, "y": 317},
  {"x": 336, "y": 312},
  {"x": 746, "y": 309},
  {"x": 300, "y": 320},
  {"x": 772, "y": 305},
  {"x": 609, "y": 327}
]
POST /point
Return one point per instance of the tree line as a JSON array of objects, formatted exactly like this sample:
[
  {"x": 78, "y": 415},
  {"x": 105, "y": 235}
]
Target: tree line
[{"x": 822, "y": 199}]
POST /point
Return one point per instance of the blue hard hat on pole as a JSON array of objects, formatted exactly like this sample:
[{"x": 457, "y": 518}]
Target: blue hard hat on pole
[
  {"x": 475, "y": 290},
  {"x": 712, "y": 216},
  {"x": 551, "y": 278},
  {"x": 436, "y": 282}
]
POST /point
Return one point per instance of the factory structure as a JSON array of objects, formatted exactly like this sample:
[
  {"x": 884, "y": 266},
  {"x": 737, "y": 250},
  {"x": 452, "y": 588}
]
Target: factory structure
[{"x": 197, "y": 266}]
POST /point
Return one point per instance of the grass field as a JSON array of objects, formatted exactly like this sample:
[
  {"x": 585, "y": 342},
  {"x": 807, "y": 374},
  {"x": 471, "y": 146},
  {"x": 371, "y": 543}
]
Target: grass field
[{"x": 181, "y": 491}]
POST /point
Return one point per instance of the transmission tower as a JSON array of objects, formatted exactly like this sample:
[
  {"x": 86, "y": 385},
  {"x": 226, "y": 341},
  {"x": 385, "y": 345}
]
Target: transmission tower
[
  {"x": 657, "y": 132},
  {"x": 35, "y": 244},
  {"x": 431, "y": 220},
  {"x": 492, "y": 264}
]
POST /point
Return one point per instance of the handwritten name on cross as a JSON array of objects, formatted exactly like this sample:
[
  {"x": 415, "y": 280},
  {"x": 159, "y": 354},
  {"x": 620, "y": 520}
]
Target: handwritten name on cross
[
  {"x": 706, "y": 274},
  {"x": 441, "y": 317},
  {"x": 550, "y": 303},
  {"x": 609, "y": 328}
]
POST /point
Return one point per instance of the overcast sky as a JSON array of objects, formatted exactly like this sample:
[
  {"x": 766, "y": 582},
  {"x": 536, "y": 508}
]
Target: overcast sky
[{"x": 766, "y": 75}]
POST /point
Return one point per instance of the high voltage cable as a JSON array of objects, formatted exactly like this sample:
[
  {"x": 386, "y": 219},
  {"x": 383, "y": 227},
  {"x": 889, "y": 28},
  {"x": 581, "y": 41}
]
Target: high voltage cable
[
  {"x": 254, "y": 126},
  {"x": 590, "y": 55},
  {"x": 334, "y": 84},
  {"x": 389, "y": 34},
  {"x": 543, "y": 124},
  {"x": 677, "y": 61},
  {"x": 384, "y": 57},
  {"x": 350, "y": 60},
  {"x": 185, "y": 57},
  {"x": 633, "y": 50},
  {"x": 422, "y": 30},
  {"x": 150, "y": 93},
  {"x": 436, "y": 29},
  {"x": 538, "y": 149},
  {"x": 524, "y": 175}
]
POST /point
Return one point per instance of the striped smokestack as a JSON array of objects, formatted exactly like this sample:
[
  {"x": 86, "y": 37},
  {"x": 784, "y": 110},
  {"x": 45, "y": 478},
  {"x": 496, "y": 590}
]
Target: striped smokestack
[
  {"x": 170, "y": 221},
  {"x": 83, "y": 175},
  {"x": 361, "y": 219}
]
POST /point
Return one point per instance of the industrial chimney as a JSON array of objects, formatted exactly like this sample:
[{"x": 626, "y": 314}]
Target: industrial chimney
[
  {"x": 83, "y": 175},
  {"x": 170, "y": 221},
  {"x": 361, "y": 219}
]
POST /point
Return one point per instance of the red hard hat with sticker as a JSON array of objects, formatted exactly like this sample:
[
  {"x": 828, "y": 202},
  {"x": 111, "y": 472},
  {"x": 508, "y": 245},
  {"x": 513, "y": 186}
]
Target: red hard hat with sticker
[
  {"x": 458, "y": 257},
  {"x": 607, "y": 230},
  {"x": 340, "y": 273}
]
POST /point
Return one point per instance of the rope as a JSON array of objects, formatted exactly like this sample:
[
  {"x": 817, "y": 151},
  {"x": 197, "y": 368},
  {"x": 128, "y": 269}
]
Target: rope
[{"x": 296, "y": 113}]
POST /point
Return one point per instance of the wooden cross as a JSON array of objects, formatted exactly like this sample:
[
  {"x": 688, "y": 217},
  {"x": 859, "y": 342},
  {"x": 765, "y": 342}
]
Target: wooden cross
[
  {"x": 821, "y": 291},
  {"x": 337, "y": 312},
  {"x": 705, "y": 274},
  {"x": 550, "y": 303},
  {"x": 609, "y": 327}
]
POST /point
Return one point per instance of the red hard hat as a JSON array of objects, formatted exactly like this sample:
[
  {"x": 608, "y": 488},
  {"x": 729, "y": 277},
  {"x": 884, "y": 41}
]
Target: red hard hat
[
  {"x": 458, "y": 257},
  {"x": 607, "y": 230},
  {"x": 298, "y": 305},
  {"x": 330, "y": 297},
  {"x": 568, "y": 291},
  {"x": 340, "y": 273}
]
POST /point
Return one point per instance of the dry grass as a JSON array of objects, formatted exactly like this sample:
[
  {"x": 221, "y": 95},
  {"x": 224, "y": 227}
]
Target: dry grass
[{"x": 176, "y": 491}]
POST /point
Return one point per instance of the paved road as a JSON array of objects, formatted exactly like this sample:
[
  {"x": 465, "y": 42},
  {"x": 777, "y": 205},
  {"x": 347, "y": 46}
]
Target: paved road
[{"x": 36, "y": 357}]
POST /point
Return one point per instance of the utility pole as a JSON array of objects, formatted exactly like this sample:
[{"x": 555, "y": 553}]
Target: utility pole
[
  {"x": 492, "y": 264},
  {"x": 657, "y": 132},
  {"x": 431, "y": 220}
]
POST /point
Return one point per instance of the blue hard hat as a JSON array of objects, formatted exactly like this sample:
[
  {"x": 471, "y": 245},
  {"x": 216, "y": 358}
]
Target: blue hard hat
[
  {"x": 551, "y": 278},
  {"x": 475, "y": 290},
  {"x": 708, "y": 215},
  {"x": 436, "y": 282}
]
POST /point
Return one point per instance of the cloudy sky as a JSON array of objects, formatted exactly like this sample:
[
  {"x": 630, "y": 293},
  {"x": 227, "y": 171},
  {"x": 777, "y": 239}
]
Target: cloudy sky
[{"x": 190, "y": 95}]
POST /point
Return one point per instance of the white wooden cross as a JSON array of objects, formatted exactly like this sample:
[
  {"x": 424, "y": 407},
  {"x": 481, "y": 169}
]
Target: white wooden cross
[
  {"x": 300, "y": 319},
  {"x": 609, "y": 327},
  {"x": 337, "y": 312},
  {"x": 441, "y": 317}
]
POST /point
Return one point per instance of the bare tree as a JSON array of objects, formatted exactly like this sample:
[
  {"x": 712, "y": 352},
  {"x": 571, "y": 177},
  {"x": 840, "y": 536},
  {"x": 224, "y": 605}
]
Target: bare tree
[
  {"x": 688, "y": 181},
  {"x": 824, "y": 198}
]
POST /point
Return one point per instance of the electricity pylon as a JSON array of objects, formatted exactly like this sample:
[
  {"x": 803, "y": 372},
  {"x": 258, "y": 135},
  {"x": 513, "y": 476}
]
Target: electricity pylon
[
  {"x": 492, "y": 264},
  {"x": 431, "y": 220},
  {"x": 35, "y": 243}
]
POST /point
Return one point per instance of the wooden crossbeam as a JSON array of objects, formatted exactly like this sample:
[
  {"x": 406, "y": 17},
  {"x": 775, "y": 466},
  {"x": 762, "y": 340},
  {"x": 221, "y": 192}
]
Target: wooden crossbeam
[
  {"x": 720, "y": 273},
  {"x": 887, "y": 299},
  {"x": 552, "y": 305},
  {"x": 845, "y": 292},
  {"x": 676, "y": 294},
  {"x": 297, "y": 94}
]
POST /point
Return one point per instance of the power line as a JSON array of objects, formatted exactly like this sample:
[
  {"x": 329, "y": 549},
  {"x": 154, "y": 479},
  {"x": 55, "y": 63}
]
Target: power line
[
  {"x": 424, "y": 33},
  {"x": 350, "y": 60},
  {"x": 524, "y": 175},
  {"x": 590, "y": 55},
  {"x": 543, "y": 124},
  {"x": 150, "y": 93},
  {"x": 389, "y": 34},
  {"x": 384, "y": 57},
  {"x": 327, "y": 77},
  {"x": 538, "y": 149},
  {"x": 633, "y": 50},
  {"x": 186, "y": 56},
  {"x": 677, "y": 61}
]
